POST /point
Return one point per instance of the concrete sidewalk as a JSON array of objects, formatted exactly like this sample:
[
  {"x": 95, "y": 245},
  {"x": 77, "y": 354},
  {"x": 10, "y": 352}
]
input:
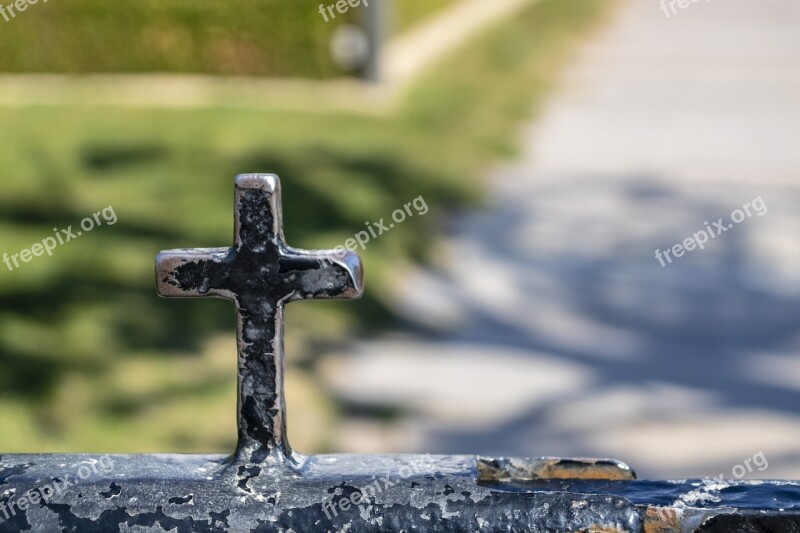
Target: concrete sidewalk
[{"x": 558, "y": 331}]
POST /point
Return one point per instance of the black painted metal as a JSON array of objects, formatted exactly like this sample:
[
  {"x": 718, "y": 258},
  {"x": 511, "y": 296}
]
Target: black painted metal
[
  {"x": 265, "y": 486},
  {"x": 260, "y": 273},
  {"x": 397, "y": 493}
]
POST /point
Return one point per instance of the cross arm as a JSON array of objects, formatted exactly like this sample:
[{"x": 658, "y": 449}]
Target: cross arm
[
  {"x": 192, "y": 273},
  {"x": 324, "y": 274}
]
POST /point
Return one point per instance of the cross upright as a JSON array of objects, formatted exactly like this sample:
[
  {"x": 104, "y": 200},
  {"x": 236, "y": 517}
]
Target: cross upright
[{"x": 261, "y": 274}]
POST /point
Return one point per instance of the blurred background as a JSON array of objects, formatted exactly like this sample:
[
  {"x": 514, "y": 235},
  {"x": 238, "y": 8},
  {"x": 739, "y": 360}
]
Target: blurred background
[{"x": 557, "y": 145}]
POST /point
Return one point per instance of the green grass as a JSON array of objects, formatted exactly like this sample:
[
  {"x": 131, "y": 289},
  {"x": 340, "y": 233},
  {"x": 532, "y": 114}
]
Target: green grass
[
  {"x": 234, "y": 37},
  {"x": 92, "y": 360}
]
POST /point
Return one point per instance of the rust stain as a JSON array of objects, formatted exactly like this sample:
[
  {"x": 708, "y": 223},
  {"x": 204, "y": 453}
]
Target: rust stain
[
  {"x": 516, "y": 469},
  {"x": 662, "y": 520},
  {"x": 558, "y": 470},
  {"x": 601, "y": 528}
]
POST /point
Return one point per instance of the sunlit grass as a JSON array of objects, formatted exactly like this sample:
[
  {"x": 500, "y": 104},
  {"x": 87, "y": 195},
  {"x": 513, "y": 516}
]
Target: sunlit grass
[{"x": 234, "y": 37}]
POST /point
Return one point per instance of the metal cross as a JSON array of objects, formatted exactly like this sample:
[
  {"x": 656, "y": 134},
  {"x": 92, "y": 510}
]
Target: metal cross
[{"x": 260, "y": 273}]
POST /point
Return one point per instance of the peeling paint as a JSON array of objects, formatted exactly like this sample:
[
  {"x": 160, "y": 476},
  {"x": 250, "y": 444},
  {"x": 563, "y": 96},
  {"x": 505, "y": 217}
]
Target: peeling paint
[{"x": 260, "y": 273}]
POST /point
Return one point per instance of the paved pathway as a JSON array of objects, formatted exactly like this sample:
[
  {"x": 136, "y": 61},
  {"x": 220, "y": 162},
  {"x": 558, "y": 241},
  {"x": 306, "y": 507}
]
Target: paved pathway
[
  {"x": 558, "y": 331},
  {"x": 407, "y": 56}
]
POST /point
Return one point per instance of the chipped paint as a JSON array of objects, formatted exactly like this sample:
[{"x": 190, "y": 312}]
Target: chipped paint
[
  {"x": 260, "y": 273},
  {"x": 662, "y": 520},
  {"x": 517, "y": 469}
]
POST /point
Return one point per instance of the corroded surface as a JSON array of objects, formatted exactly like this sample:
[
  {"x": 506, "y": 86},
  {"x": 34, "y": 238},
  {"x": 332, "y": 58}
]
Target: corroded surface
[
  {"x": 519, "y": 469},
  {"x": 198, "y": 493},
  {"x": 260, "y": 273},
  {"x": 398, "y": 493}
]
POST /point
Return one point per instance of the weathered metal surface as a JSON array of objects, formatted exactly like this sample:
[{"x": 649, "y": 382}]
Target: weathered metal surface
[
  {"x": 661, "y": 519},
  {"x": 186, "y": 493},
  {"x": 266, "y": 487},
  {"x": 261, "y": 274},
  {"x": 524, "y": 469},
  {"x": 199, "y": 493}
]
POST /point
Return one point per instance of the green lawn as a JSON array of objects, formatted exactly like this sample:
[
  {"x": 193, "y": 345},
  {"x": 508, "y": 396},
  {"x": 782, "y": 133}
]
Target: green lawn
[
  {"x": 234, "y": 37},
  {"x": 92, "y": 360}
]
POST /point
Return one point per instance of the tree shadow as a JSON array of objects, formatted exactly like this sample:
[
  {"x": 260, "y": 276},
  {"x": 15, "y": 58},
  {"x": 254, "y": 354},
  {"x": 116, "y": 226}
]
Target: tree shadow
[{"x": 582, "y": 254}]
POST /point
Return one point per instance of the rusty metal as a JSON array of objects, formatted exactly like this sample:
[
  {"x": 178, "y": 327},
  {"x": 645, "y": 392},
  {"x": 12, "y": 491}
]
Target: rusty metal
[{"x": 514, "y": 469}]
